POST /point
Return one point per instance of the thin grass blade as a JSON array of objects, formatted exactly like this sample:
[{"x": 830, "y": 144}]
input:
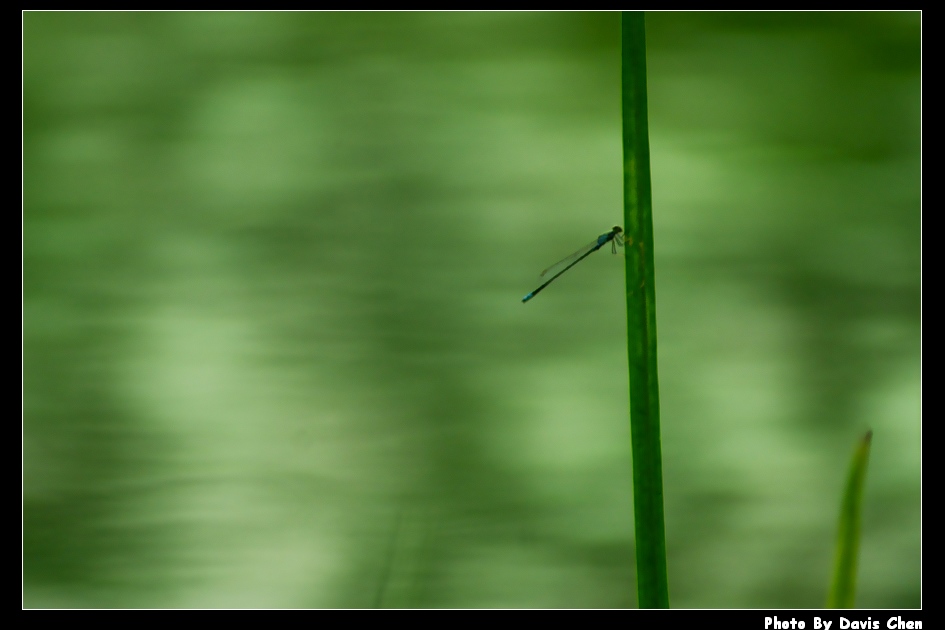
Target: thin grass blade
[
  {"x": 652, "y": 587},
  {"x": 843, "y": 588}
]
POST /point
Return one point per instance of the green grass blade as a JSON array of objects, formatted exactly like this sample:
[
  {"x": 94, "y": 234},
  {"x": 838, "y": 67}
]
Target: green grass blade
[
  {"x": 843, "y": 589},
  {"x": 652, "y": 590}
]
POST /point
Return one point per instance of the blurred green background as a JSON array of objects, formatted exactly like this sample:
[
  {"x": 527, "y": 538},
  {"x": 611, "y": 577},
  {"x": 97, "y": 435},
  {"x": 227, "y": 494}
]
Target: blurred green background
[{"x": 274, "y": 347}]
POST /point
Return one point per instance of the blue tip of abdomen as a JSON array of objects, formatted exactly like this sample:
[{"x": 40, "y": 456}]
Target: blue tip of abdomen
[{"x": 528, "y": 297}]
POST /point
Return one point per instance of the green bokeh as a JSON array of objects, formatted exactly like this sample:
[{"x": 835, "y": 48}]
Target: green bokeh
[{"x": 274, "y": 347}]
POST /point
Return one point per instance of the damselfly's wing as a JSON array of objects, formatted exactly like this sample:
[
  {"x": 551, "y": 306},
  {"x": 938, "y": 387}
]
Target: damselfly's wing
[{"x": 567, "y": 260}]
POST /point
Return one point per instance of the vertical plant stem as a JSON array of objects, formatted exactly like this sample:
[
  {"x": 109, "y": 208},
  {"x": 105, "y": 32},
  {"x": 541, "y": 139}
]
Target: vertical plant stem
[
  {"x": 843, "y": 588},
  {"x": 652, "y": 589}
]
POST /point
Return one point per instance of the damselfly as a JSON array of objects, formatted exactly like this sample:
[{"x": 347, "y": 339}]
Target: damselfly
[{"x": 614, "y": 237}]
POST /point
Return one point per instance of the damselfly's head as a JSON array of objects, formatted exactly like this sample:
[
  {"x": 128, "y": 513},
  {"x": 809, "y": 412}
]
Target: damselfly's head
[{"x": 617, "y": 229}]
